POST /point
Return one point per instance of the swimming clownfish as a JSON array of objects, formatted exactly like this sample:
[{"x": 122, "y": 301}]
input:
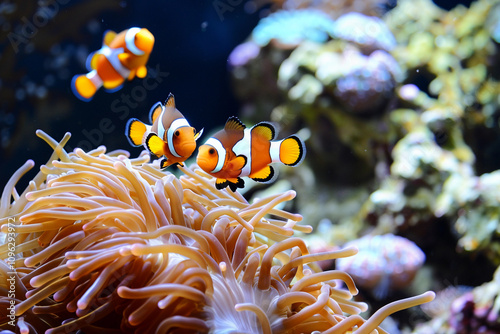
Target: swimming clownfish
[
  {"x": 122, "y": 56},
  {"x": 170, "y": 136},
  {"x": 236, "y": 151}
]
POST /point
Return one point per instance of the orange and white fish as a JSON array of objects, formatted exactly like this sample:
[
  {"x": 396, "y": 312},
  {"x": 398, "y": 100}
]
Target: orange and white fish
[
  {"x": 170, "y": 136},
  {"x": 122, "y": 56},
  {"x": 236, "y": 151}
]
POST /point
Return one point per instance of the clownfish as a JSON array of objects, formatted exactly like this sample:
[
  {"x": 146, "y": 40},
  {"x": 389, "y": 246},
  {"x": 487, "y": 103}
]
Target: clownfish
[
  {"x": 170, "y": 136},
  {"x": 122, "y": 56},
  {"x": 236, "y": 151}
]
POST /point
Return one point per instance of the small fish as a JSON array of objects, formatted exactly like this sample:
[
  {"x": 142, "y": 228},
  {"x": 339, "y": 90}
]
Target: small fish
[
  {"x": 236, "y": 151},
  {"x": 170, "y": 136},
  {"x": 122, "y": 56}
]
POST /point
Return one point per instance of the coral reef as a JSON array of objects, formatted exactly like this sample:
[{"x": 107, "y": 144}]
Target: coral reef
[
  {"x": 402, "y": 119},
  {"x": 336, "y": 8},
  {"x": 104, "y": 241},
  {"x": 383, "y": 262},
  {"x": 464, "y": 310},
  {"x": 411, "y": 112},
  {"x": 290, "y": 28}
]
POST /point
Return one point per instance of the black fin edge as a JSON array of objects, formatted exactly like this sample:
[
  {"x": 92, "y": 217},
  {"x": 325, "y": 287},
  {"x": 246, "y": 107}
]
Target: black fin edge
[
  {"x": 170, "y": 96},
  {"x": 127, "y": 131},
  {"x": 151, "y": 134},
  {"x": 269, "y": 125},
  {"x": 271, "y": 177},
  {"x": 233, "y": 186},
  {"x": 237, "y": 120},
  {"x": 302, "y": 152},
  {"x": 152, "y": 110}
]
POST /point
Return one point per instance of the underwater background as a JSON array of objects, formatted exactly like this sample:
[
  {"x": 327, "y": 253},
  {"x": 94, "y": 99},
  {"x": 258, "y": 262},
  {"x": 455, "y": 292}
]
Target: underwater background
[
  {"x": 36, "y": 72},
  {"x": 396, "y": 101}
]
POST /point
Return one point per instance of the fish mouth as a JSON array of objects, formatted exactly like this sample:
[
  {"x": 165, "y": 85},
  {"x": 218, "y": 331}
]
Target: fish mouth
[
  {"x": 203, "y": 164},
  {"x": 186, "y": 150}
]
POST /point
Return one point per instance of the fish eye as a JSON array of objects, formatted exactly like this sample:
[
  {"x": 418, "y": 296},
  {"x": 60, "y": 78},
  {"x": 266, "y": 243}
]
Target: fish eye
[
  {"x": 211, "y": 151},
  {"x": 177, "y": 133},
  {"x": 194, "y": 130}
]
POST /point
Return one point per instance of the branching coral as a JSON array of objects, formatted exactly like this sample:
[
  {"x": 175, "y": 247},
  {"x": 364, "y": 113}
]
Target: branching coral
[{"x": 105, "y": 242}]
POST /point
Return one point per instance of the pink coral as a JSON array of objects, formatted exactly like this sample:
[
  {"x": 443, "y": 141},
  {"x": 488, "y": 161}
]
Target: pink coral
[{"x": 384, "y": 262}]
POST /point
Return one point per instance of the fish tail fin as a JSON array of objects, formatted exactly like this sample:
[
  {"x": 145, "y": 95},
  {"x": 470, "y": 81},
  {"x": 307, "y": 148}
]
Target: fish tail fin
[
  {"x": 134, "y": 130},
  {"x": 84, "y": 86},
  {"x": 292, "y": 151}
]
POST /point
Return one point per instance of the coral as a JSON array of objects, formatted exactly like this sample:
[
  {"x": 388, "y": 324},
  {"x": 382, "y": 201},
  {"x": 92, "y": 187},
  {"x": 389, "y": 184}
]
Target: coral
[
  {"x": 254, "y": 64},
  {"x": 104, "y": 241},
  {"x": 472, "y": 202},
  {"x": 466, "y": 310},
  {"x": 384, "y": 262},
  {"x": 403, "y": 135},
  {"x": 325, "y": 86},
  {"x": 337, "y": 8},
  {"x": 368, "y": 32},
  {"x": 290, "y": 28}
]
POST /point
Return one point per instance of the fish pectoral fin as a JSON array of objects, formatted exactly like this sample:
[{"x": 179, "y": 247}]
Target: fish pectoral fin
[
  {"x": 109, "y": 36},
  {"x": 265, "y": 130},
  {"x": 155, "y": 145},
  {"x": 265, "y": 175},
  {"x": 237, "y": 163},
  {"x": 232, "y": 183},
  {"x": 155, "y": 112},
  {"x": 134, "y": 130},
  {"x": 124, "y": 57},
  {"x": 142, "y": 72}
]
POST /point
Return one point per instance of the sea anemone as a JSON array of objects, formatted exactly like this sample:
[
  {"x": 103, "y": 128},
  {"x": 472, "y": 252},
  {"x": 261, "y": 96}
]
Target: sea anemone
[{"x": 106, "y": 243}]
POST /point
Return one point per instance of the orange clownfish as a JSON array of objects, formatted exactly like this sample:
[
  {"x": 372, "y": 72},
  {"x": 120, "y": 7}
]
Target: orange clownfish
[
  {"x": 237, "y": 151},
  {"x": 122, "y": 56},
  {"x": 170, "y": 136}
]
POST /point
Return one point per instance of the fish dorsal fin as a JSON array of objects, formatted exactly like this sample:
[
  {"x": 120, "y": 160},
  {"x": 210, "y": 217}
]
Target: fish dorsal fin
[
  {"x": 124, "y": 57},
  {"x": 233, "y": 123},
  {"x": 170, "y": 101},
  {"x": 155, "y": 112},
  {"x": 109, "y": 36},
  {"x": 265, "y": 130}
]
